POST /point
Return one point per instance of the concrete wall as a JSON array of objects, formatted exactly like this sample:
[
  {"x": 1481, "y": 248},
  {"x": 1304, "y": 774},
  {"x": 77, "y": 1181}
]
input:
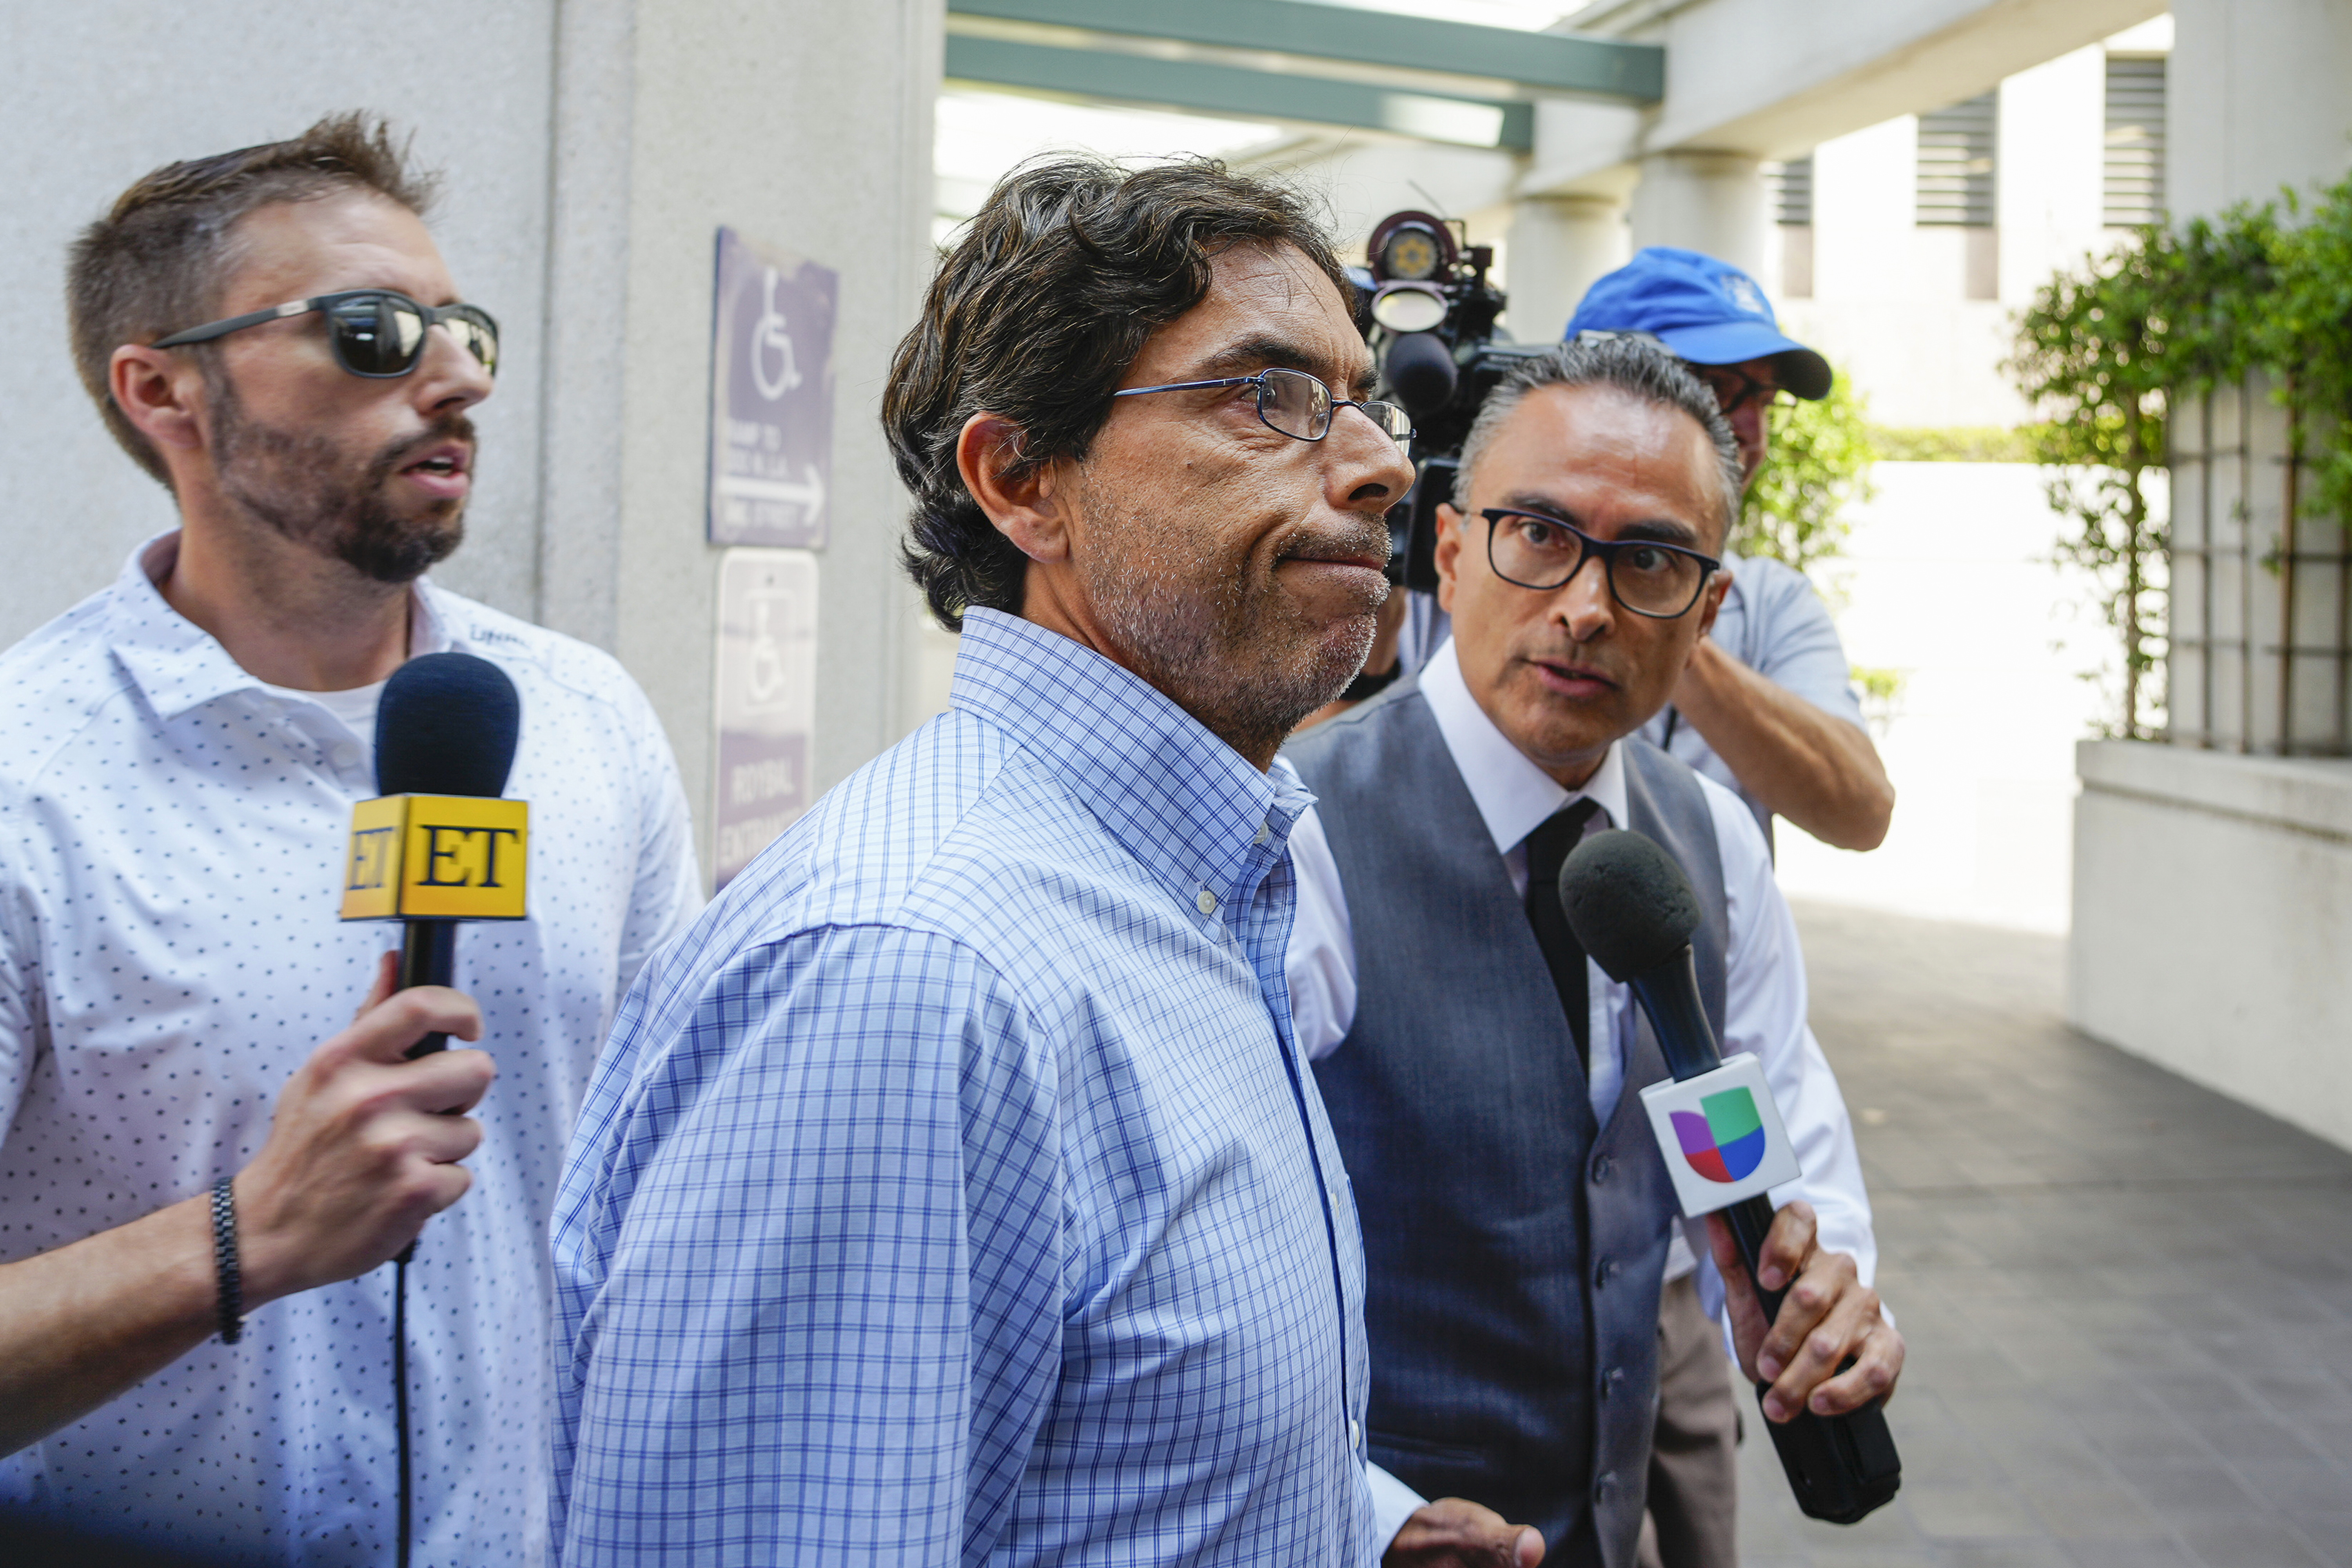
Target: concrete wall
[
  {"x": 592, "y": 148},
  {"x": 2213, "y": 914},
  {"x": 2256, "y": 99}
]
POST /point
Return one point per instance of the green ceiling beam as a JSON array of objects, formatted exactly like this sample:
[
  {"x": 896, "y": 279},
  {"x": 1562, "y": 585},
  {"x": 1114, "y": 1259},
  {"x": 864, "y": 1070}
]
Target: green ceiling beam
[
  {"x": 1235, "y": 92},
  {"x": 1552, "y": 61}
]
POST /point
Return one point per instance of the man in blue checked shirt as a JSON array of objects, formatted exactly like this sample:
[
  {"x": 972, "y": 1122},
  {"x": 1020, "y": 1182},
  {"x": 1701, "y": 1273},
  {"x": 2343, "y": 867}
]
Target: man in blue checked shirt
[{"x": 955, "y": 1190}]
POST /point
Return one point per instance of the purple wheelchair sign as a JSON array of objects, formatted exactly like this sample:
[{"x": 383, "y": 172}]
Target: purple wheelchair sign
[{"x": 771, "y": 396}]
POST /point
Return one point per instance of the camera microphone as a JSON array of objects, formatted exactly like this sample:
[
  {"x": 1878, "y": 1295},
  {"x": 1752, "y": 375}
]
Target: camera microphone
[
  {"x": 438, "y": 845},
  {"x": 1634, "y": 911},
  {"x": 1420, "y": 372}
]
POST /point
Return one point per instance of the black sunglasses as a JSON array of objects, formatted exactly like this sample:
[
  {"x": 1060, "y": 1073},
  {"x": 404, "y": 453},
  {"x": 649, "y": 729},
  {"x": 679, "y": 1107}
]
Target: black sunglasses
[
  {"x": 1648, "y": 577},
  {"x": 376, "y": 332}
]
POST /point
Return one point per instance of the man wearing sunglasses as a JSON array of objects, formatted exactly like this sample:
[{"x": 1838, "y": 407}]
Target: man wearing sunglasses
[
  {"x": 1481, "y": 1074},
  {"x": 273, "y": 335}
]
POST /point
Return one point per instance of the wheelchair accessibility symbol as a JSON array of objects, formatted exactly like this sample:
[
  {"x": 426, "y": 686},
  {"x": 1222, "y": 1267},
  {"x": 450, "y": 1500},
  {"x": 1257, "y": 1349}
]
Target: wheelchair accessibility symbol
[
  {"x": 765, "y": 672},
  {"x": 774, "y": 371}
]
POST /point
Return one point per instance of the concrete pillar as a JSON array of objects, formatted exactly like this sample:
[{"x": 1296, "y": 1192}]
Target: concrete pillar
[
  {"x": 806, "y": 126},
  {"x": 2255, "y": 99},
  {"x": 2049, "y": 200},
  {"x": 1558, "y": 245},
  {"x": 1712, "y": 202}
]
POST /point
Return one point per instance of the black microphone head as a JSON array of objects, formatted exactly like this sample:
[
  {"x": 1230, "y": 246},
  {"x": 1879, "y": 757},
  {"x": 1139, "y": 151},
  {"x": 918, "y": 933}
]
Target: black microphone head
[
  {"x": 447, "y": 725},
  {"x": 1627, "y": 902},
  {"x": 1419, "y": 370}
]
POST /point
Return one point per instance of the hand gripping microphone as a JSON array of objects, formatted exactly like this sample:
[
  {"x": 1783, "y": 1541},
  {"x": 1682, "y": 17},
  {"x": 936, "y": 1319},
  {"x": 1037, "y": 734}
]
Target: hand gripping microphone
[
  {"x": 1631, "y": 906},
  {"x": 438, "y": 846}
]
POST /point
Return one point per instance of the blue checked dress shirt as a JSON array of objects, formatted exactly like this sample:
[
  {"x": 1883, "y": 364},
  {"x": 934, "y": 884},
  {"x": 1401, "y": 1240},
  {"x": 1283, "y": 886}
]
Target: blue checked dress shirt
[{"x": 954, "y": 1191}]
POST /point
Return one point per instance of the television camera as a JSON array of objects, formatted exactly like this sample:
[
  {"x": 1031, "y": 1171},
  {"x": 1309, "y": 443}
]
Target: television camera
[{"x": 1428, "y": 311}]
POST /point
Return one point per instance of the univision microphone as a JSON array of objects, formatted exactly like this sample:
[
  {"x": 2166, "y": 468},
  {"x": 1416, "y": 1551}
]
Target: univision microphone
[
  {"x": 438, "y": 845},
  {"x": 1719, "y": 1130}
]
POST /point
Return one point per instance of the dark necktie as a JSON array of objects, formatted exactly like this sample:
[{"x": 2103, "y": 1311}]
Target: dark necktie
[{"x": 1548, "y": 849}]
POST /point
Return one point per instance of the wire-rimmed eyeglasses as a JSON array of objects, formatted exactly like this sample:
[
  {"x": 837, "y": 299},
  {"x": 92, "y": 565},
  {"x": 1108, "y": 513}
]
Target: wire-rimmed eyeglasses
[
  {"x": 1649, "y": 578},
  {"x": 1294, "y": 403}
]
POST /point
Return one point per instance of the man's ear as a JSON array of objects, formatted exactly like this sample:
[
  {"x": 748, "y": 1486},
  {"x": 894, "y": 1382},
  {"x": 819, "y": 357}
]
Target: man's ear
[
  {"x": 1448, "y": 553},
  {"x": 1023, "y": 502},
  {"x": 158, "y": 394},
  {"x": 1710, "y": 603}
]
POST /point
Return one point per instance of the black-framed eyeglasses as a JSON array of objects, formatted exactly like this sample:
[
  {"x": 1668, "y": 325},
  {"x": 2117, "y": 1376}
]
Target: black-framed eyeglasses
[
  {"x": 1649, "y": 578},
  {"x": 1294, "y": 403},
  {"x": 1734, "y": 388},
  {"x": 376, "y": 332}
]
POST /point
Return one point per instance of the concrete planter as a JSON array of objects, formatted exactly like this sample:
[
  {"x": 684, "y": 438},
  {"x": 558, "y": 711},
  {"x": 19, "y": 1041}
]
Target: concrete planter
[{"x": 2212, "y": 929}]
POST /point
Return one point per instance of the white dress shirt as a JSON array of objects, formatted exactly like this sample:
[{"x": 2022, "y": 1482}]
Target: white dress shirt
[
  {"x": 169, "y": 954},
  {"x": 1764, "y": 995}
]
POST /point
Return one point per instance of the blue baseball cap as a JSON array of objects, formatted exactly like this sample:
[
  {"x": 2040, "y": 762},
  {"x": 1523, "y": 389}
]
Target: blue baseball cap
[{"x": 1706, "y": 311}]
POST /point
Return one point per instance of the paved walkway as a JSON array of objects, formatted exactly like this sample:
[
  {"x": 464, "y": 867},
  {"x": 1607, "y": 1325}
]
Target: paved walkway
[{"x": 2128, "y": 1301}]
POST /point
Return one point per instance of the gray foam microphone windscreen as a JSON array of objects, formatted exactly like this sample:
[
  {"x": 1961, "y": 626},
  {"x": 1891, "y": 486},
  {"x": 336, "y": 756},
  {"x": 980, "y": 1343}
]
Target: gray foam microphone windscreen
[{"x": 1628, "y": 902}]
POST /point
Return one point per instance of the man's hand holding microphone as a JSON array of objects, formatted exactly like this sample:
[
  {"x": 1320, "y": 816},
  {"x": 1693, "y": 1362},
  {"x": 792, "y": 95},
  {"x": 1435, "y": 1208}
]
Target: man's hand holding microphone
[
  {"x": 363, "y": 1149},
  {"x": 364, "y": 1146}
]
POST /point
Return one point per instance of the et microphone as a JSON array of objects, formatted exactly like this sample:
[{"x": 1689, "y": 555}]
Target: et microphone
[
  {"x": 438, "y": 845},
  {"x": 1634, "y": 910}
]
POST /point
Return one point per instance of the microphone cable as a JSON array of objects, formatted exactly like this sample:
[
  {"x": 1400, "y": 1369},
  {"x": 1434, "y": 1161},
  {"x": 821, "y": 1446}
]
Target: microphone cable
[{"x": 400, "y": 1391}]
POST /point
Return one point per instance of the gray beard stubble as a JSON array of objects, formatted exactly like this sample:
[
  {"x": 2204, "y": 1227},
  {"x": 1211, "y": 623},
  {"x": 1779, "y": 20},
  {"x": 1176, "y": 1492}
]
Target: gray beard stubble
[{"x": 1185, "y": 621}]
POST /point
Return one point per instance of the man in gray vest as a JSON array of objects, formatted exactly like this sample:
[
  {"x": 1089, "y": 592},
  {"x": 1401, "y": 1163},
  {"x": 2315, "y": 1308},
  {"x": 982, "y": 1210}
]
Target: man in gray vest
[{"x": 1479, "y": 1071}]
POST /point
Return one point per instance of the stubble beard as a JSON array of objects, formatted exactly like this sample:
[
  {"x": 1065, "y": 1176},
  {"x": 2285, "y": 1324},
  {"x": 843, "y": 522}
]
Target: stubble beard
[
  {"x": 1221, "y": 640},
  {"x": 305, "y": 487}
]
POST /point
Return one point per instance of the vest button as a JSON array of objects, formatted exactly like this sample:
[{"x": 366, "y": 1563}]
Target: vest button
[
  {"x": 1603, "y": 1271},
  {"x": 1603, "y": 1167},
  {"x": 1603, "y": 1485}
]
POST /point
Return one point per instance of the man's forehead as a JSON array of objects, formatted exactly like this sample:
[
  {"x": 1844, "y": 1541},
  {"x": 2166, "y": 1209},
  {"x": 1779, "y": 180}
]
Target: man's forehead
[
  {"x": 1273, "y": 297},
  {"x": 360, "y": 240},
  {"x": 1564, "y": 438}
]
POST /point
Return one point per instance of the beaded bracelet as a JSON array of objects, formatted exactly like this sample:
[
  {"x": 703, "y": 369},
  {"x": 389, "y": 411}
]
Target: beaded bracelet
[{"x": 231, "y": 1304}]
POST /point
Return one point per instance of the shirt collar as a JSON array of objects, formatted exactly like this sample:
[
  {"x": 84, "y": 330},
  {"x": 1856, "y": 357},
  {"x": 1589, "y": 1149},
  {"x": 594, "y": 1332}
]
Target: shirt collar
[
  {"x": 1513, "y": 795},
  {"x": 1186, "y": 805},
  {"x": 179, "y": 666}
]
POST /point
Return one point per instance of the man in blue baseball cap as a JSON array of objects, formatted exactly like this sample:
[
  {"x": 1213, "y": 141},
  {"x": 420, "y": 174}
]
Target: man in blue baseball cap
[{"x": 1766, "y": 709}]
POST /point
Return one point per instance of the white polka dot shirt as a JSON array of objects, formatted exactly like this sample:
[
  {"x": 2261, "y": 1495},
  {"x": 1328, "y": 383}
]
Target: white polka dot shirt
[{"x": 169, "y": 954}]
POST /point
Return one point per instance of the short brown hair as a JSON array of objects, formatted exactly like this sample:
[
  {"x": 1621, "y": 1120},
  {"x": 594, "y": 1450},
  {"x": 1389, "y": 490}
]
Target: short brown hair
[
  {"x": 1035, "y": 315},
  {"x": 158, "y": 262}
]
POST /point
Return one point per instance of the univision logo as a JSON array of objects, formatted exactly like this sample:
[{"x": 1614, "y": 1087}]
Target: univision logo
[{"x": 1728, "y": 1141}]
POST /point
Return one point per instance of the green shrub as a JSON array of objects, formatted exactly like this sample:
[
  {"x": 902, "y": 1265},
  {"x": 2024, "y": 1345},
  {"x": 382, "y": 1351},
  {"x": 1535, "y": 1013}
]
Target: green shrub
[{"x": 1818, "y": 464}]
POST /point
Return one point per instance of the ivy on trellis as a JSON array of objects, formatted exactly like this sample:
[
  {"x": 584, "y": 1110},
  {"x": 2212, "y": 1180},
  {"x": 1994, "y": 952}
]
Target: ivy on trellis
[{"x": 2104, "y": 349}]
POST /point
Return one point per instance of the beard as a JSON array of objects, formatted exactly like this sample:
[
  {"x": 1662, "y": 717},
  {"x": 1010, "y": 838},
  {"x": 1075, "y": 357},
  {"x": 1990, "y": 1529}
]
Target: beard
[
  {"x": 308, "y": 488},
  {"x": 1224, "y": 642}
]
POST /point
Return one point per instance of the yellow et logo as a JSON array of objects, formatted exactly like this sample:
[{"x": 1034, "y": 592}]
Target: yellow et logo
[{"x": 437, "y": 857}]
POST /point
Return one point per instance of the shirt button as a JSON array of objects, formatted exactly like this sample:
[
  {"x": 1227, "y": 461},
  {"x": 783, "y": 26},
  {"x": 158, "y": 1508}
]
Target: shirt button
[
  {"x": 1354, "y": 1435},
  {"x": 1207, "y": 901},
  {"x": 1261, "y": 835},
  {"x": 345, "y": 754}
]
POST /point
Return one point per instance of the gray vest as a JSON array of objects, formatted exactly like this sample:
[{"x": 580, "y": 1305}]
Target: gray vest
[{"x": 1513, "y": 1247}]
